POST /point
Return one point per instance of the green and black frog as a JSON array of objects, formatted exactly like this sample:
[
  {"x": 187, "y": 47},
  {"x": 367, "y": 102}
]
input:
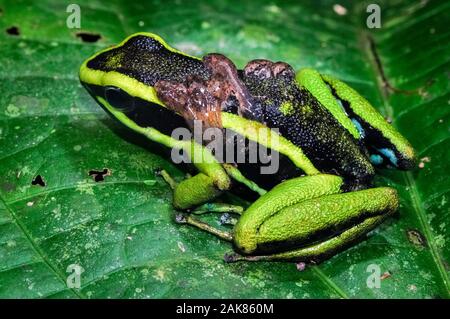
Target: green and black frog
[{"x": 329, "y": 140}]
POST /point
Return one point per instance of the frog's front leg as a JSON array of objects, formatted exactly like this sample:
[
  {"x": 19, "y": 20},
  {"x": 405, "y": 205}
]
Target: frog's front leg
[
  {"x": 203, "y": 188},
  {"x": 212, "y": 178},
  {"x": 199, "y": 189},
  {"x": 308, "y": 219}
]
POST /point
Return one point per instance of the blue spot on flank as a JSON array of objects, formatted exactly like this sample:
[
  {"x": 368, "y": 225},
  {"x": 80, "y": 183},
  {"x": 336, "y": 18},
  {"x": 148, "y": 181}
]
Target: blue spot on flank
[
  {"x": 341, "y": 105},
  {"x": 389, "y": 154},
  {"x": 376, "y": 159},
  {"x": 359, "y": 128}
]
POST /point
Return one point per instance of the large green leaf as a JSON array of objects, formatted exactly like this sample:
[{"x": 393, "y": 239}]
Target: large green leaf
[{"x": 121, "y": 231}]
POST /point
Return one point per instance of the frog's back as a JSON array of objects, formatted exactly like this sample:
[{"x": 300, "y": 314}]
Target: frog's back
[
  {"x": 142, "y": 60},
  {"x": 300, "y": 118}
]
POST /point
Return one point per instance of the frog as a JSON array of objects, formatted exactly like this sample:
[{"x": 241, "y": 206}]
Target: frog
[{"x": 330, "y": 142}]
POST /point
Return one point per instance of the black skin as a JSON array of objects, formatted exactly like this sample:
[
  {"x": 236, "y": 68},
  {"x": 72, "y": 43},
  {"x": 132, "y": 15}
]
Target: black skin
[
  {"x": 311, "y": 126},
  {"x": 258, "y": 93}
]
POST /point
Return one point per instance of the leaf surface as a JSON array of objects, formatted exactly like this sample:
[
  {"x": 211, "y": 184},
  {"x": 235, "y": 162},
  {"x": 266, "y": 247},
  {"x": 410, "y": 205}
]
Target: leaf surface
[{"x": 121, "y": 231}]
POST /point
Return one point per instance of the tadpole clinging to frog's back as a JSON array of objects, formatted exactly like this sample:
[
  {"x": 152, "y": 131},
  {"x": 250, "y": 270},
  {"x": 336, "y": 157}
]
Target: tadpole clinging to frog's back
[{"x": 266, "y": 92}]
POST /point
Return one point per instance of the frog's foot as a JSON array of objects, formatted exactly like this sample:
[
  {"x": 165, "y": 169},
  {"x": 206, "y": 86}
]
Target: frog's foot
[
  {"x": 190, "y": 191},
  {"x": 226, "y": 209},
  {"x": 218, "y": 208},
  {"x": 227, "y": 219},
  {"x": 233, "y": 257},
  {"x": 167, "y": 178},
  {"x": 183, "y": 218}
]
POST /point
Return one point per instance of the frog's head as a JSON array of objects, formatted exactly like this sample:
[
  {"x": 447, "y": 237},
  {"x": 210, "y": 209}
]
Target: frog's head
[
  {"x": 147, "y": 59},
  {"x": 122, "y": 79}
]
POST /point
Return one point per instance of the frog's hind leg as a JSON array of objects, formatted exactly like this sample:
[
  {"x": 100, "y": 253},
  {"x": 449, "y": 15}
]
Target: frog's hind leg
[
  {"x": 387, "y": 147},
  {"x": 317, "y": 252},
  {"x": 318, "y": 222}
]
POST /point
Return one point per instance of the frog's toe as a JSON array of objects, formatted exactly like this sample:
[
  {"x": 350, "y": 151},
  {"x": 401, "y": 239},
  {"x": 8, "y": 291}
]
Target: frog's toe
[
  {"x": 180, "y": 218},
  {"x": 230, "y": 257},
  {"x": 227, "y": 219},
  {"x": 233, "y": 257}
]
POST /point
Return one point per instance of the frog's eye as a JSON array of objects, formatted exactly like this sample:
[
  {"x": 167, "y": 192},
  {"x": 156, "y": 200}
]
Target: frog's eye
[{"x": 119, "y": 99}]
